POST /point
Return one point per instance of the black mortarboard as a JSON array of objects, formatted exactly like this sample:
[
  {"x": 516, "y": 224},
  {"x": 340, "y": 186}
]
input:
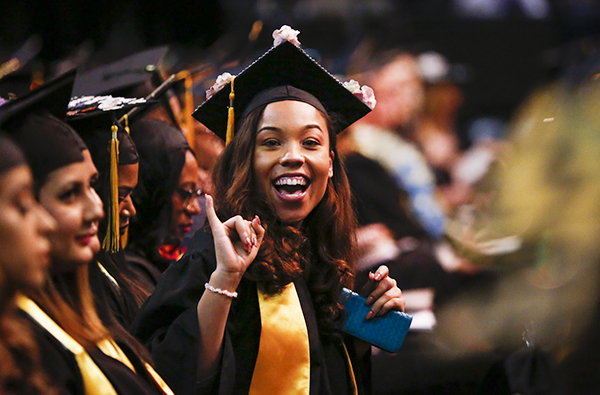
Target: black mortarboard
[
  {"x": 134, "y": 76},
  {"x": 94, "y": 117},
  {"x": 10, "y": 154},
  {"x": 34, "y": 122},
  {"x": 19, "y": 71},
  {"x": 118, "y": 78},
  {"x": 282, "y": 66}
]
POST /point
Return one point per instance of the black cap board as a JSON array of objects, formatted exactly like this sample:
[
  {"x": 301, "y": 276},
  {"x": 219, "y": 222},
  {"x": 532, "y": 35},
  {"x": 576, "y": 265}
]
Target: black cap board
[
  {"x": 283, "y": 65},
  {"x": 118, "y": 77},
  {"x": 34, "y": 122}
]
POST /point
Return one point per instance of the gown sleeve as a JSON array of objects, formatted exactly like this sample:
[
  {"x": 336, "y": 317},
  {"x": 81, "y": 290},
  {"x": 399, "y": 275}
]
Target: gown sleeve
[{"x": 167, "y": 323}]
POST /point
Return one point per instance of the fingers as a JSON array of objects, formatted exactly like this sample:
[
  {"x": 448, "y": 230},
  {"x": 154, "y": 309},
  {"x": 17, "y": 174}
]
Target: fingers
[
  {"x": 381, "y": 272},
  {"x": 250, "y": 233},
  {"x": 259, "y": 229},
  {"x": 374, "y": 279},
  {"x": 210, "y": 212},
  {"x": 385, "y": 296}
]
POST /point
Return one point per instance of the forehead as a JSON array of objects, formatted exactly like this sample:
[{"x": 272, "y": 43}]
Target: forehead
[{"x": 292, "y": 114}]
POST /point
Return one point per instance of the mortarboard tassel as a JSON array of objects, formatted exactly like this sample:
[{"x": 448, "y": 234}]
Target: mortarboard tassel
[
  {"x": 230, "y": 115},
  {"x": 124, "y": 238},
  {"x": 126, "y": 120},
  {"x": 111, "y": 241}
]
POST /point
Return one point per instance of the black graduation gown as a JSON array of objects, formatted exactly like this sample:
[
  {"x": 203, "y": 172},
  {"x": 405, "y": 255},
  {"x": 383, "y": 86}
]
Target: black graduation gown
[
  {"x": 112, "y": 290},
  {"x": 168, "y": 325},
  {"x": 63, "y": 372},
  {"x": 146, "y": 271}
]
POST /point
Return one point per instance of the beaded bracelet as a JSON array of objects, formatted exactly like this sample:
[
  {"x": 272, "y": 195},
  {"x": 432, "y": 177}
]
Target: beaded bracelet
[{"x": 221, "y": 291}]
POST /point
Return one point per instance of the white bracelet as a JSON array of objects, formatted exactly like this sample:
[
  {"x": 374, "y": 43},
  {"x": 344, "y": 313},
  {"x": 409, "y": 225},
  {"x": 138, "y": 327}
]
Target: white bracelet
[{"x": 221, "y": 291}]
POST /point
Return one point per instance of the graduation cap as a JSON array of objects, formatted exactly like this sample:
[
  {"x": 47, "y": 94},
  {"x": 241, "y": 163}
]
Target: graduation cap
[
  {"x": 120, "y": 77},
  {"x": 35, "y": 123},
  {"x": 20, "y": 72},
  {"x": 103, "y": 124},
  {"x": 285, "y": 72},
  {"x": 135, "y": 75}
]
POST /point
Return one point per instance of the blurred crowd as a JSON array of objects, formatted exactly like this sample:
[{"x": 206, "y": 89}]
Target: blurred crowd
[{"x": 488, "y": 226}]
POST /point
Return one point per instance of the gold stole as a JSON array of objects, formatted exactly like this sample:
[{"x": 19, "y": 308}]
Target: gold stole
[
  {"x": 94, "y": 381},
  {"x": 283, "y": 362}
]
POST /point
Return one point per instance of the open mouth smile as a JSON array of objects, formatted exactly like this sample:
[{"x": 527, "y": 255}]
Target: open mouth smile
[{"x": 291, "y": 187}]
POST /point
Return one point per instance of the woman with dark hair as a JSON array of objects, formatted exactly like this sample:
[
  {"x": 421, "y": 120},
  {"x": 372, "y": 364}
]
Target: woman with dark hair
[
  {"x": 79, "y": 353},
  {"x": 165, "y": 197},
  {"x": 254, "y": 306},
  {"x": 111, "y": 278},
  {"x": 24, "y": 258}
]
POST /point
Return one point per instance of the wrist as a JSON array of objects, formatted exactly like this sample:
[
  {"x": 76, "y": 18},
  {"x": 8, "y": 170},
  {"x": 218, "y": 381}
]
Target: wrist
[{"x": 225, "y": 280}]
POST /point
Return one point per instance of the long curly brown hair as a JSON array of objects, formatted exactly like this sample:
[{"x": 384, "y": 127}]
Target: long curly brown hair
[{"x": 323, "y": 250}]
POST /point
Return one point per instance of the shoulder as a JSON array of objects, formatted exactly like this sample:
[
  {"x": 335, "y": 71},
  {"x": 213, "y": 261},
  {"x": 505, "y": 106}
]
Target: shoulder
[{"x": 57, "y": 361}]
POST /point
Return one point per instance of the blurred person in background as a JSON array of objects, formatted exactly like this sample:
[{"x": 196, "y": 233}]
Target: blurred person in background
[
  {"x": 541, "y": 234},
  {"x": 24, "y": 261},
  {"x": 392, "y": 182},
  {"x": 436, "y": 133}
]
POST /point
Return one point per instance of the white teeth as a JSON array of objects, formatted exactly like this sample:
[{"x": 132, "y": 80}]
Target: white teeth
[{"x": 290, "y": 181}]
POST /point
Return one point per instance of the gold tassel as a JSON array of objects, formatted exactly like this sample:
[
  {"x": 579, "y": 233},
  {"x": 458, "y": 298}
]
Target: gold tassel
[
  {"x": 230, "y": 116},
  {"x": 125, "y": 238},
  {"x": 111, "y": 241},
  {"x": 126, "y": 120}
]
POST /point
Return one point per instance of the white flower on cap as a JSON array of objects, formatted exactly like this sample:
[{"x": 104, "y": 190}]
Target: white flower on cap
[
  {"x": 364, "y": 93},
  {"x": 286, "y": 33},
  {"x": 222, "y": 80}
]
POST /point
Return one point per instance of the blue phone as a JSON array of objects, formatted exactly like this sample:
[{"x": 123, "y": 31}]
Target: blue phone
[{"x": 387, "y": 332}]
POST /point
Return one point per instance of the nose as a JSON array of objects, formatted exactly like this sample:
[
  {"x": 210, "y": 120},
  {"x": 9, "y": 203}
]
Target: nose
[
  {"x": 93, "y": 207},
  {"x": 292, "y": 156},
  {"x": 193, "y": 206},
  {"x": 128, "y": 210}
]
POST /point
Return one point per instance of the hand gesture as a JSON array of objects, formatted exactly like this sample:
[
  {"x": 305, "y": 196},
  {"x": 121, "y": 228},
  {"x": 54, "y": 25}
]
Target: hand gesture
[
  {"x": 383, "y": 293},
  {"x": 237, "y": 241}
]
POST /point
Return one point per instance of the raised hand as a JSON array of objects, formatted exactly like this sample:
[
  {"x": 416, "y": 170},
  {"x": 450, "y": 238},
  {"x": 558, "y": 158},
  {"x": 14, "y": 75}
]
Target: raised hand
[{"x": 237, "y": 241}]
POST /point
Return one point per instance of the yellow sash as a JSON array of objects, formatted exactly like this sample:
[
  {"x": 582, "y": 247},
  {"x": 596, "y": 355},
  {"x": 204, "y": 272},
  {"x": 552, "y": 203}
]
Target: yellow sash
[
  {"x": 283, "y": 362},
  {"x": 94, "y": 381}
]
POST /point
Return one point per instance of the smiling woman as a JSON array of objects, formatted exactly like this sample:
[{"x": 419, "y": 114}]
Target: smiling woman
[
  {"x": 293, "y": 161},
  {"x": 254, "y": 305}
]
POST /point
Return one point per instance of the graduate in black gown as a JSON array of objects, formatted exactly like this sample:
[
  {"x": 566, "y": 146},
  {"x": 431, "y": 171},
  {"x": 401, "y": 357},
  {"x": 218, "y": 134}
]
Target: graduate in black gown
[
  {"x": 96, "y": 119},
  {"x": 24, "y": 257},
  {"x": 254, "y": 305},
  {"x": 79, "y": 353},
  {"x": 165, "y": 197}
]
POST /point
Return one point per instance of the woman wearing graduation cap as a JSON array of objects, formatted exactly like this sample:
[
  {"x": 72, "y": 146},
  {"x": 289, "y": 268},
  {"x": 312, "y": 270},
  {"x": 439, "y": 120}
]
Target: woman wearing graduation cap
[
  {"x": 24, "y": 258},
  {"x": 102, "y": 122},
  {"x": 79, "y": 353},
  {"x": 254, "y": 305}
]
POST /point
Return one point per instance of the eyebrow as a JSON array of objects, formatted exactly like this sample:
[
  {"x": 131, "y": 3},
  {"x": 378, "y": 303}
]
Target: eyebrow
[{"x": 276, "y": 129}]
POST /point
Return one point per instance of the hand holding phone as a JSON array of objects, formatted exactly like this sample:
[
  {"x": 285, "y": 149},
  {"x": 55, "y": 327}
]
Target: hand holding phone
[{"x": 386, "y": 332}]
